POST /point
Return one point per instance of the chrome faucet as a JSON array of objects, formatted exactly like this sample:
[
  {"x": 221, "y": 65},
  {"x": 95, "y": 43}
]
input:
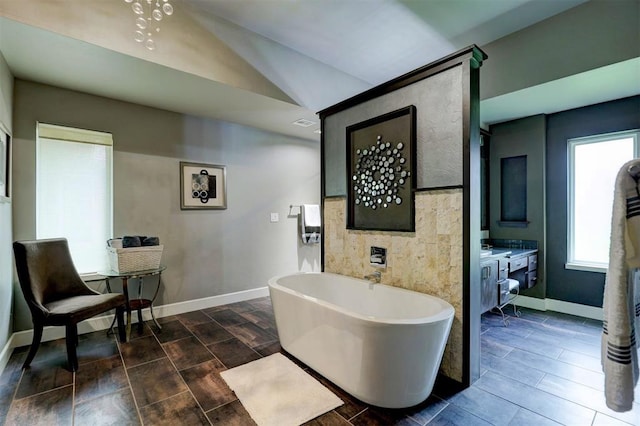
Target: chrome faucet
[{"x": 374, "y": 277}]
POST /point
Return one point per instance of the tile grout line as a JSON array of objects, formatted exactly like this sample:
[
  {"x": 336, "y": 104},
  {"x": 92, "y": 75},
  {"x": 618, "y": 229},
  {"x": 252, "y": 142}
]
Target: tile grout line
[
  {"x": 357, "y": 414},
  {"x": 73, "y": 397},
  {"x": 15, "y": 392},
  {"x": 542, "y": 390},
  {"x": 126, "y": 373},
  {"x": 204, "y": 413},
  {"x": 220, "y": 361},
  {"x": 437, "y": 413}
]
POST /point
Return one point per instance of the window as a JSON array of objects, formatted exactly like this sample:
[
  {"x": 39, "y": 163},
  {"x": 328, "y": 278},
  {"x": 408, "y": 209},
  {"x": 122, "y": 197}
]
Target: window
[
  {"x": 74, "y": 192},
  {"x": 593, "y": 165}
]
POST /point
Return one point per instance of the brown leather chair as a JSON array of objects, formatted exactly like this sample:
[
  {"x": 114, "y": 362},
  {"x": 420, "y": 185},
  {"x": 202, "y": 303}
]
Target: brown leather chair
[{"x": 56, "y": 294}]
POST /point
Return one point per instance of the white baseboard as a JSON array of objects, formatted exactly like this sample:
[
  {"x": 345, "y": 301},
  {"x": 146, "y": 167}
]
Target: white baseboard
[
  {"x": 6, "y": 353},
  {"x": 560, "y": 306},
  {"x": 23, "y": 338}
]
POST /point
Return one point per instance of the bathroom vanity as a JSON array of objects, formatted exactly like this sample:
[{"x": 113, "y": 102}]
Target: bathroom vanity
[{"x": 500, "y": 263}]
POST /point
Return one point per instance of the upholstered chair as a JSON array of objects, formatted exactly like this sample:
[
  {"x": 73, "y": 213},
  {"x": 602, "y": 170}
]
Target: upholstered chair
[{"x": 57, "y": 296}]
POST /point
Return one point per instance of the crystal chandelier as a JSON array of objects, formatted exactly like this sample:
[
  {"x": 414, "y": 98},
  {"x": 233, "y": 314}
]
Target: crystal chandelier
[{"x": 148, "y": 14}]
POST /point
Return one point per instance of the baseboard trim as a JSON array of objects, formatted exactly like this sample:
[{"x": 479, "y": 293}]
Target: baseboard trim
[
  {"x": 6, "y": 353},
  {"x": 577, "y": 309},
  {"x": 23, "y": 338}
]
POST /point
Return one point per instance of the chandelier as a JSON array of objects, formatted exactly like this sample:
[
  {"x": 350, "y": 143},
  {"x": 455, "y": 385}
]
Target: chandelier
[{"x": 148, "y": 14}]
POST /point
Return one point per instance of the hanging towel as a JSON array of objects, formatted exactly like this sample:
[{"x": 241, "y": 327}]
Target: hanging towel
[
  {"x": 619, "y": 354},
  {"x": 310, "y": 223},
  {"x": 311, "y": 215}
]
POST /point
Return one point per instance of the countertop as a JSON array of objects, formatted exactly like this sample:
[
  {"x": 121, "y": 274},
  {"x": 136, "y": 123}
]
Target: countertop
[{"x": 498, "y": 252}]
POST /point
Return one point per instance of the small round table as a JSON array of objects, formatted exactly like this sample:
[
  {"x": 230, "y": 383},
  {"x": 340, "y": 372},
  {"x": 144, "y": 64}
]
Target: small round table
[{"x": 138, "y": 303}]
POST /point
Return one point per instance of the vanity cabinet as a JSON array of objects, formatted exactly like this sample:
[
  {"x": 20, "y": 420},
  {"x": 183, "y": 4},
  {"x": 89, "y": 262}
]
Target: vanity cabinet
[
  {"x": 524, "y": 268},
  {"x": 494, "y": 286},
  {"x": 518, "y": 264},
  {"x": 489, "y": 284}
]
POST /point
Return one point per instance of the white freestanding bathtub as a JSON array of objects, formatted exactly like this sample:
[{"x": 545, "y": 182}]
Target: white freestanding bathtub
[{"x": 381, "y": 344}]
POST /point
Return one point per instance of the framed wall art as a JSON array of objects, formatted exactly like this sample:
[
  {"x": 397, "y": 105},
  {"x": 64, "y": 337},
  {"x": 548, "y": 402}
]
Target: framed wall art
[
  {"x": 202, "y": 186},
  {"x": 5, "y": 165},
  {"x": 380, "y": 172}
]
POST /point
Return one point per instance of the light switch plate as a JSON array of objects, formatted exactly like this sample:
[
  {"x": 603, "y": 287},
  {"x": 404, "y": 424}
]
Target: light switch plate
[{"x": 275, "y": 217}]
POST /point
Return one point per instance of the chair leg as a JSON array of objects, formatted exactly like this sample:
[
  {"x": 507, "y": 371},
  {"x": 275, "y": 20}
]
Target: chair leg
[
  {"x": 140, "y": 323},
  {"x": 72, "y": 340},
  {"x": 35, "y": 343},
  {"x": 121, "y": 326}
]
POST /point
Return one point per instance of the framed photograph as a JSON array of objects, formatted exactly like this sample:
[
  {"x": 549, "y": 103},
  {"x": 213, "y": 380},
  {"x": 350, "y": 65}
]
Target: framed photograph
[
  {"x": 5, "y": 165},
  {"x": 202, "y": 186},
  {"x": 380, "y": 172}
]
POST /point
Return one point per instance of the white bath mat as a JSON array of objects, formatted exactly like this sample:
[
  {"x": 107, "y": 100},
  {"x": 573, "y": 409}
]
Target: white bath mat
[{"x": 277, "y": 392}]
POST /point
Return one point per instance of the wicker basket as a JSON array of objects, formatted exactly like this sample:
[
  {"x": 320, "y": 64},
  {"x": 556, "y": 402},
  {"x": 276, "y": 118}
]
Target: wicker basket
[{"x": 132, "y": 259}]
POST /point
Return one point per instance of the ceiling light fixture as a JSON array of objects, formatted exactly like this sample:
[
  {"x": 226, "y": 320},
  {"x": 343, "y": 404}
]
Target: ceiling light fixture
[
  {"x": 148, "y": 17},
  {"x": 302, "y": 122}
]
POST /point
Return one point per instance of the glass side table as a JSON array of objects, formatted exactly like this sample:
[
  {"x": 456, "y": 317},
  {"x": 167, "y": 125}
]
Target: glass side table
[{"x": 138, "y": 303}]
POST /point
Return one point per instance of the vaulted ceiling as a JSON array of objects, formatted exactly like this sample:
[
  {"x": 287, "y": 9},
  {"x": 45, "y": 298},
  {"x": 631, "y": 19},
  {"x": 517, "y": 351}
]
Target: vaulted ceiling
[{"x": 262, "y": 63}]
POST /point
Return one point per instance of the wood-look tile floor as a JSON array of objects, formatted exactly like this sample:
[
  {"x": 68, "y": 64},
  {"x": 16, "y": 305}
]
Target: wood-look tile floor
[{"x": 543, "y": 369}]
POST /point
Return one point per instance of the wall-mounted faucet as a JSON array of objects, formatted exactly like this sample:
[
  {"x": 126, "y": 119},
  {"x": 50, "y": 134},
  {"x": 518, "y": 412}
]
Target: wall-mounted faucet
[{"x": 374, "y": 277}]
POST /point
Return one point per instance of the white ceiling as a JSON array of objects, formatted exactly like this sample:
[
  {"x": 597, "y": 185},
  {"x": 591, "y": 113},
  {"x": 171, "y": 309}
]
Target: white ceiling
[
  {"x": 377, "y": 40},
  {"x": 318, "y": 52}
]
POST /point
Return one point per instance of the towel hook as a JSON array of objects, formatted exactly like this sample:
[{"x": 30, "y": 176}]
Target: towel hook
[{"x": 292, "y": 206}]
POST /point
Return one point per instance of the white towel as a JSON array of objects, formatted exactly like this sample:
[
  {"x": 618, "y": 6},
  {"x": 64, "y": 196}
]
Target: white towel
[
  {"x": 622, "y": 295},
  {"x": 311, "y": 215}
]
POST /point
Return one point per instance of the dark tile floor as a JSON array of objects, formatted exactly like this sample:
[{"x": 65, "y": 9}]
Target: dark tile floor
[{"x": 543, "y": 369}]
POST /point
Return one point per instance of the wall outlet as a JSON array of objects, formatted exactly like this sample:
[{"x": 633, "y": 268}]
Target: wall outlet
[{"x": 275, "y": 217}]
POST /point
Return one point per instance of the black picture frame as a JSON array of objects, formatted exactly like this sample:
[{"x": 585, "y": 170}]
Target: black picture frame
[
  {"x": 5, "y": 166},
  {"x": 381, "y": 180}
]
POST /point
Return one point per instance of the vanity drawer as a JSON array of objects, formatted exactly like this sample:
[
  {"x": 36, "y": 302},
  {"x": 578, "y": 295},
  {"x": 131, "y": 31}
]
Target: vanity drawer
[
  {"x": 532, "y": 278},
  {"x": 503, "y": 294},
  {"x": 517, "y": 263},
  {"x": 533, "y": 262},
  {"x": 503, "y": 269}
]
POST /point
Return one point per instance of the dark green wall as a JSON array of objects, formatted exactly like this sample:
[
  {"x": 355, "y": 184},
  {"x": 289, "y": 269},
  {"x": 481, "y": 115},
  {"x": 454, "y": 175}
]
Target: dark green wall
[
  {"x": 624, "y": 114},
  {"x": 515, "y": 138}
]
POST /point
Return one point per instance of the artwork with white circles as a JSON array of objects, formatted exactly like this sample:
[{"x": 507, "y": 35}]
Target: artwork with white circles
[
  {"x": 381, "y": 180},
  {"x": 202, "y": 186}
]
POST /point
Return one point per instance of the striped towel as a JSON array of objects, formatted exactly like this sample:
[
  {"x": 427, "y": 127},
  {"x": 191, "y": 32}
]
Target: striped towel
[{"x": 622, "y": 295}]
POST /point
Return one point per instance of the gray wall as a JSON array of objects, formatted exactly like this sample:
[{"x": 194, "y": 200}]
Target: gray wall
[
  {"x": 564, "y": 284},
  {"x": 6, "y": 257},
  {"x": 438, "y": 136},
  {"x": 580, "y": 39},
  {"x": 207, "y": 253},
  {"x": 514, "y": 138}
]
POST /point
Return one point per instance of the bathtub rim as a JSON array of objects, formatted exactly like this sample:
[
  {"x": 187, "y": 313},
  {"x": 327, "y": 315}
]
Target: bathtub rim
[{"x": 446, "y": 313}]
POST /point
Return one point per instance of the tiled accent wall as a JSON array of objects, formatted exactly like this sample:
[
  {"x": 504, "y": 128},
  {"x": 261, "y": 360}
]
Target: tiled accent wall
[{"x": 428, "y": 260}]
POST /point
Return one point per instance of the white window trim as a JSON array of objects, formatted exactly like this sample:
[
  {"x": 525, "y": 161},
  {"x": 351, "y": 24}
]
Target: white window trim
[
  {"x": 571, "y": 144},
  {"x": 589, "y": 267},
  {"x": 70, "y": 134}
]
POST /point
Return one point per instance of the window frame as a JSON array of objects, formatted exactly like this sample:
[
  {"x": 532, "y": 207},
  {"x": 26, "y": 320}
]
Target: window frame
[
  {"x": 571, "y": 262},
  {"x": 78, "y": 135}
]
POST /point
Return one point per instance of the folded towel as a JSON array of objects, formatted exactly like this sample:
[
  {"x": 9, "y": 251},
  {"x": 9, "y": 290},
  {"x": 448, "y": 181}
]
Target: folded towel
[
  {"x": 139, "y": 241},
  {"x": 621, "y": 307},
  {"x": 131, "y": 241},
  {"x": 150, "y": 241}
]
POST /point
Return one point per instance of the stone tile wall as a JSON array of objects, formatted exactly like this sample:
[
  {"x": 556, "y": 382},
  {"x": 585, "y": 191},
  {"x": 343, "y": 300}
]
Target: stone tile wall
[{"x": 428, "y": 260}]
